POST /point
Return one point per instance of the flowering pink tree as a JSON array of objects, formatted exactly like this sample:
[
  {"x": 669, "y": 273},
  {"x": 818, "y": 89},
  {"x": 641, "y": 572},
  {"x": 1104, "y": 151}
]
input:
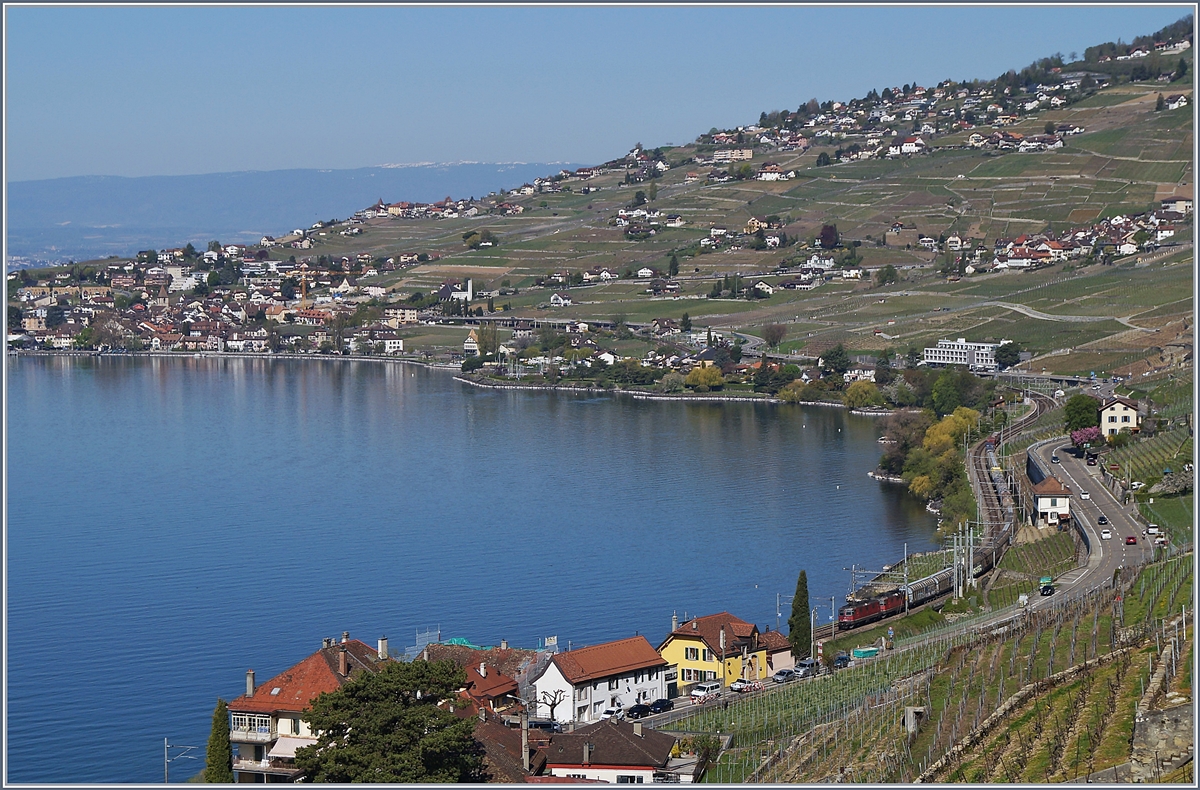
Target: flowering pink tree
[{"x": 1086, "y": 436}]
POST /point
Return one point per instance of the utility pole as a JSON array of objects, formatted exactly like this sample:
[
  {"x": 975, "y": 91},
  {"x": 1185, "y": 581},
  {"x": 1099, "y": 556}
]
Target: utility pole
[
  {"x": 181, "y": 756},
  {"x": 906, "y": 577}
]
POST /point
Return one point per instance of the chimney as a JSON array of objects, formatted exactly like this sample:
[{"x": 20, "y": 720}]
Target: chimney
[
  {"x": 327, "y": 642},
  {"x": 722, "y": 638},
  {"x": 343, "y": 663},
  {"x": 504, "y": 644},
  {"x": 482, "y": 670},
  {"x": 249, "y": 682},
  {"x": 694, "y": 626},
  {"x": 345, "y": 637},
  {"x": 637, "y": 728},
  {"x": 674, "y": 622},
  {"x": 382, "y": 650},
  {"x": 587, "y": 753}
]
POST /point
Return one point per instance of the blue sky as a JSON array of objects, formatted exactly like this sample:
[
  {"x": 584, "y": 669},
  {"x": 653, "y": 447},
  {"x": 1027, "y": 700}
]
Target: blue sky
[{"x": 139, "y": 91}]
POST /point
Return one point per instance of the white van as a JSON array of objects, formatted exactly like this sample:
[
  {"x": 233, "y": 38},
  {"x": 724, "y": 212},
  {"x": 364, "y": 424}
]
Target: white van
[
  {"x": 1152, "y": 529},
  {"x": 706, "y": 691}
]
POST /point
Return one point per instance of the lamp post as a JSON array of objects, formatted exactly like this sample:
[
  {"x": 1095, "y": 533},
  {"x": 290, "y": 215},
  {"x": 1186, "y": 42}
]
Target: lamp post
[
  {"x": 524, "y": 730},
  {"x": 183, "y": 755}
]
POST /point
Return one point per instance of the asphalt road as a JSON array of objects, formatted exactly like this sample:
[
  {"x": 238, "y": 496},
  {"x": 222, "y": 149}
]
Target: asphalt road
[{"x": 1106, "y": 556}]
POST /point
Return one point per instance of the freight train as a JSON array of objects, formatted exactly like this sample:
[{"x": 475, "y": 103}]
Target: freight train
[
  {"x": 915, "y": 593},
  {"x": 920, "y": 591}
]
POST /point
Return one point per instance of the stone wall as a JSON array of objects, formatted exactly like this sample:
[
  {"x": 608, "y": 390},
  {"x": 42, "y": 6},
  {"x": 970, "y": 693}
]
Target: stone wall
[{"x": 1163, "y": 740}]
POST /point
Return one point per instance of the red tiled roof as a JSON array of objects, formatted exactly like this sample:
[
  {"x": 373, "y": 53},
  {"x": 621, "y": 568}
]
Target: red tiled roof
[
  {"x": 302, "y": 683},
  {"x": 1051, "y": 486},
  {"x": 496, "y": 684},
  {"x": 708, "y": 628},
  {"x": 614, "y": 743},
  {"x": 774, "y": 641},
  {"x": 610, "y": 658}
]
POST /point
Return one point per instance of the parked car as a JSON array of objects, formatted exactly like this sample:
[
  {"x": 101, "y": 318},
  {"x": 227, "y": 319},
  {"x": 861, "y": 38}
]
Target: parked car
[
  {"x": 1152, "y": 529},
  {"x": 549, "y": 725},
  {"x": 841, "y": 661},
  {"x": 806, "y": 667},
  {"x": 1084, "y": 495},
  {"x": 1131, "y": 541},
  {"x": 1102, "y": 520},
  {"x": 705, "y": 691},
  {"x": 741, "y": 684},
  {"x": 784, "y": 675},
  {"x": 1136, "y": 485},
  {"x": 612, "y": 713},
  {"x": 1105, "y": 534},
  {"x": 638, "y": 712},
  {"x": 1048, "y": 589},
  {"x": 661, "y": 706},
  {"x": 1161, "y": 540},
  {"x": 1091, "y": 460}
]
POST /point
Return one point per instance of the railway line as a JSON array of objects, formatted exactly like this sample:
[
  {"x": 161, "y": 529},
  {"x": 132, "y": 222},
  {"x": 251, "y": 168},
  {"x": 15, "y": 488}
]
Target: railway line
[{"x": 998, "y": 515}]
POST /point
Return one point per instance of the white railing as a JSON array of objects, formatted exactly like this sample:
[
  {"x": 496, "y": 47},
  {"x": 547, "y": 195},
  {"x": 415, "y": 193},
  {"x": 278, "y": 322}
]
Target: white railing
[{"x": 253, "y": 735}]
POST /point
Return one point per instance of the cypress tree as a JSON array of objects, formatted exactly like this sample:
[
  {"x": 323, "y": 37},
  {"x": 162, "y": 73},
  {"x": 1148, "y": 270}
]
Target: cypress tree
[
  {"x": 799, "y": 626},
  {"x": 218, "y": 760}
]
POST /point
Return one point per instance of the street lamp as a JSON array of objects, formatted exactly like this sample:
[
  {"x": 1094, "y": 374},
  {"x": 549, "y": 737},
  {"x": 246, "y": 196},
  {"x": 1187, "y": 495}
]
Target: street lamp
[{"x": 524, "y": 730}]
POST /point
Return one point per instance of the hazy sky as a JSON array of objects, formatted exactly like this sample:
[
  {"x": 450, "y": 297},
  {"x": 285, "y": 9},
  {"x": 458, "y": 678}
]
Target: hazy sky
[{"x": 173, "y": 90}]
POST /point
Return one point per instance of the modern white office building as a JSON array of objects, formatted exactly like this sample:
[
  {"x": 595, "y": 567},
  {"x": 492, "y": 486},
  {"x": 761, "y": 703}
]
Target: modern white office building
[{"x": 976, "y": 356}]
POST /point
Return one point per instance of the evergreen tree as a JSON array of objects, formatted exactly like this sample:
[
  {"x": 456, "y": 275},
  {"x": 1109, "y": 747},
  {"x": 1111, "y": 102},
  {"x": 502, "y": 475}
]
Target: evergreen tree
[
  {"x": 686, "y": 323},
  {"x": 673, "y": 267},
  {"x": 1159, "y": 104},
  {"x": 799, "y": 625},
  {"x": 218, "y": 760}
]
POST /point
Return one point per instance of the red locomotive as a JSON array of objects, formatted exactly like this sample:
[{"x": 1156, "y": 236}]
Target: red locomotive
[{"x": 862, "y": 612}]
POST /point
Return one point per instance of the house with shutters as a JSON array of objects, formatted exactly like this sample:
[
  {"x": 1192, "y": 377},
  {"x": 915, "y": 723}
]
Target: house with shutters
[
  {"x": 589, "y": 680},
  {"x": 1117, "y": 414},
  {"x": 1051, "y": 503},
  {"x": 265, "y": 724},
  {"x": 715, "y": 647}
]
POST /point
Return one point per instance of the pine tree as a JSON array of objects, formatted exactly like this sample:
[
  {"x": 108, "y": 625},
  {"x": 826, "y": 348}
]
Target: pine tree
[
  {"x": 218, "y": 761},
  {"x": 1160, "y": 104},
  {"x": 673, "y": 267},
  {"x": 799, "y": 626}
]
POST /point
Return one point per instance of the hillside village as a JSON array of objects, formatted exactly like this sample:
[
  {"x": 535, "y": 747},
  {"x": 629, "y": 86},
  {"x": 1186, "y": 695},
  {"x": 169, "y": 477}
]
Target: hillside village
[
  {"x": 331, "y": 289},
  {"x": 640, "y": 274}
]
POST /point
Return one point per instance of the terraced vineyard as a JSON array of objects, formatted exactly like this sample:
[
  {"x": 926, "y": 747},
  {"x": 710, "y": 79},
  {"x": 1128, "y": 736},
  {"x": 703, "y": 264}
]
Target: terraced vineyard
[
  {"x": 1146, "y": 459},
  {"x": 1080, "y": 668}
]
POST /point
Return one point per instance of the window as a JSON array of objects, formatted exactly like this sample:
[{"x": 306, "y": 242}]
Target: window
[
  {"x": 1112, "y": 418},
  {"x": 710, "y": 675},
  {"x": 708, "y": 655},
  {"x": 691, "y": 653},
  {"x": 613, "y": 685},
  {"x": 1053, "y": 503},
  {"x": 626, "y": 779},
  {"x": 581, "y": 693},
  {"x": 1125, "y": 418},
  {"x": 247, "y": 722},
  {"x": 581, "y": 712},
  {"x": 597, "y": 707}
]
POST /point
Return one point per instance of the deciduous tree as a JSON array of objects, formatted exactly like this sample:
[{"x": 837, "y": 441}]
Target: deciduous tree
[
  {"x": 1081, "y": 411},
  {"x": 387, "y": 727}
]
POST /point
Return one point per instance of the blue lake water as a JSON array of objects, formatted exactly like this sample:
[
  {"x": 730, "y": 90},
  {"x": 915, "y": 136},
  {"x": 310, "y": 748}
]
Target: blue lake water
[{"x": 175, "y": 522}]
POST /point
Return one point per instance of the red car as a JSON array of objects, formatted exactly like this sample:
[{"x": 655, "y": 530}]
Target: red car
[{"x": 1131, "y": 541}]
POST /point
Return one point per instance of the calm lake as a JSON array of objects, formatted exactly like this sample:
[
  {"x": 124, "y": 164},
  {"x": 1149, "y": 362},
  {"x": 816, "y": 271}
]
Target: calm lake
[{"x": 175, "y": 522}]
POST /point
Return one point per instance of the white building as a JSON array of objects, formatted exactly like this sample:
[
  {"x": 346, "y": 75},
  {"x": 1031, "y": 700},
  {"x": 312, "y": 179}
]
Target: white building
[
  {"x": 1117, "y": 414},
  {"x": 614, "y": 675},
  {"x": 1052, "y": 502},
  {"x": 976, "y": 356}
]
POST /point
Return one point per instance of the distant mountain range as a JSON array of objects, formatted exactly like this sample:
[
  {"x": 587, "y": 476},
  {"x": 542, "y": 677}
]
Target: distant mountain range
[{"x": 95, "y": 216}]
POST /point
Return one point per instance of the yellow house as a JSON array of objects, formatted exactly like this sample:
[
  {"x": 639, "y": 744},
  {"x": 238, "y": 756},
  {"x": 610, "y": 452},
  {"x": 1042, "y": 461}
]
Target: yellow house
[{"x": 715, "y": 647}]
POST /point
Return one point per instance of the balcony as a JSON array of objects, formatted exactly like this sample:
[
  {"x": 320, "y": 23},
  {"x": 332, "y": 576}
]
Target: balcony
[
  {"x": 275, "y": 766},
  {"x": 253, "y": 735}
]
